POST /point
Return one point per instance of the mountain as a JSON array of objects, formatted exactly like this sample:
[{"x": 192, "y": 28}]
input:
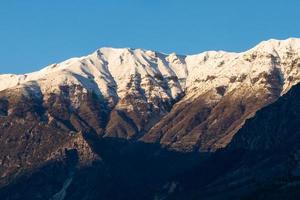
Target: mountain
[{"x": 131, "y": 116}]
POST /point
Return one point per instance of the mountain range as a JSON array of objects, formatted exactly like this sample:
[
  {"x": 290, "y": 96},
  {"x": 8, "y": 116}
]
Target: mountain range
[{"x": 139, "y": 124}]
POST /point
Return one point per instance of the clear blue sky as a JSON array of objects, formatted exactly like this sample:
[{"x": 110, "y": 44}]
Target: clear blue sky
[{"x": 35, "y": 33}]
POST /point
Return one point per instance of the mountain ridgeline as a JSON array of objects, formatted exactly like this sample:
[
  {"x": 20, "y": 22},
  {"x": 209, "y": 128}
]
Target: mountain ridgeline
[{"x": 137, "y": 124}]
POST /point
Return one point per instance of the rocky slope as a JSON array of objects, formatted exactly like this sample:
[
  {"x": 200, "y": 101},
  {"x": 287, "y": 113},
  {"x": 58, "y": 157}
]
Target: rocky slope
[
  {"x": 70, "y": 117},
  {"x": 261, "y": 161}
]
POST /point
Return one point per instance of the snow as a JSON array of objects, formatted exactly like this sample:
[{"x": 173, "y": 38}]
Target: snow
[{"x": 112, "y": 71}]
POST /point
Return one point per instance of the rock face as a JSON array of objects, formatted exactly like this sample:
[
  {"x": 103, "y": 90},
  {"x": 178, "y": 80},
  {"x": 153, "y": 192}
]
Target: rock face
[{"x": 108, "y": 117}]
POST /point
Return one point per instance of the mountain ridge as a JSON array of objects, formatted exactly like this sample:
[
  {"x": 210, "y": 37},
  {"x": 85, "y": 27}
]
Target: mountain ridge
[
  {"x": 146, "y": 90},
  {"x": 269, "y": 46}
]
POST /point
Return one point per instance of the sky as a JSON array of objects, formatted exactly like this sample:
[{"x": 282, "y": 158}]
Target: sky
[{"x": 36, "y": 33}]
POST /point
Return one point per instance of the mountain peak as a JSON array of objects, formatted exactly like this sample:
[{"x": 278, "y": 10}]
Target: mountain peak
[{"x": 272, "y": 45}]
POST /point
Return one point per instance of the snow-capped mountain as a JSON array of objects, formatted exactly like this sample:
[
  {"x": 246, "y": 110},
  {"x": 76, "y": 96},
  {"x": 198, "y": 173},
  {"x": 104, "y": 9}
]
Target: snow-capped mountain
[
  {"x": 141, "y": 87},
  {"x": 118, "y": 112}
]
